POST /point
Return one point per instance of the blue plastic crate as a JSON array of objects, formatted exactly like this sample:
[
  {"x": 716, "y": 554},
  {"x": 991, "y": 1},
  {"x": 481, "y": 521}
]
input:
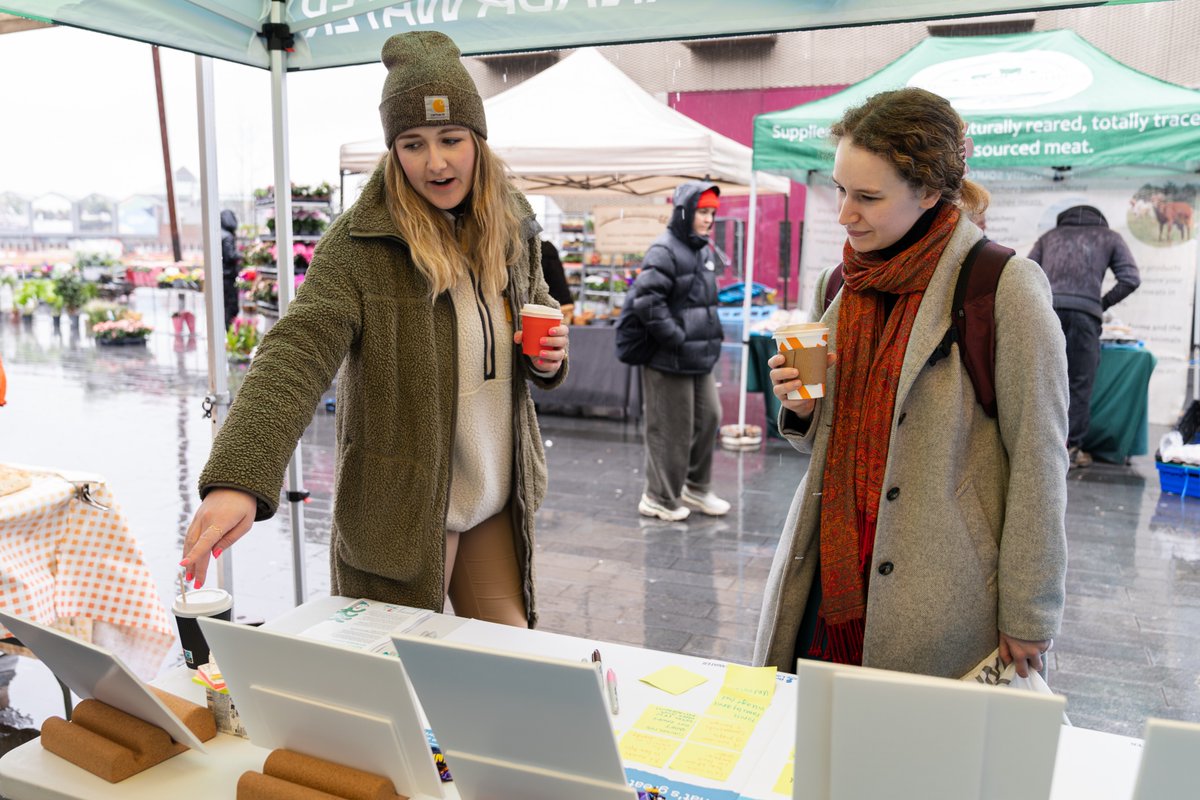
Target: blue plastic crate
[{"x": 1182, "y": 479}]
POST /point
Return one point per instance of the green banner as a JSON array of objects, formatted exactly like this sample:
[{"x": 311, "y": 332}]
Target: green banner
[
  {"x": 338, "y": 32},
  {"x": 1030, "y": 100}
]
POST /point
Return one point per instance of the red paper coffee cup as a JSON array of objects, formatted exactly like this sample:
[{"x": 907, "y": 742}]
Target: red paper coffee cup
[{"x": 536, "y": 322}]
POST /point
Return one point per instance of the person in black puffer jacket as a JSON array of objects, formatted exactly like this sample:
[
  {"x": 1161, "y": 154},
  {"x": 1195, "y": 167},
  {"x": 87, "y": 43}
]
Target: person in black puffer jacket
[
  {"x": 1075, "y": 255},
  {"x": 676, "y": 299},
  {"x": 231, "y": 262}
]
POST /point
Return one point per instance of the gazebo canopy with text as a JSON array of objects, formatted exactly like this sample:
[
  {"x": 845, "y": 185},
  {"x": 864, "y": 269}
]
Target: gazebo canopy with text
[{"x": 1031, "y": 100}]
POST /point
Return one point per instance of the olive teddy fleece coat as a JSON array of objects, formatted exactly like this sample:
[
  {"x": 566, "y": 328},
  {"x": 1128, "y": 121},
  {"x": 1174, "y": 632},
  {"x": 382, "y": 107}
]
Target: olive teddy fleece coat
[
  {"x": 971, "y": 532},
  {"x": 364, "y": 307}
]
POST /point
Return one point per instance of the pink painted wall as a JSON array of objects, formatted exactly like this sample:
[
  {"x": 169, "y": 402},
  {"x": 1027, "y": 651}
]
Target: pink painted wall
[{"x": 732, "y": 112}]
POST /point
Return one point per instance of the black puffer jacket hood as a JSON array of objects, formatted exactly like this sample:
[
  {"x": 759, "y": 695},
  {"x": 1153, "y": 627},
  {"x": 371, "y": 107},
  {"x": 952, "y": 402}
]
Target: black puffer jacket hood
[
  {"x": 676, "y": 292},
  {"x": 687, "y": 195},
  {"x": 229, "y": 221},
  {"x": 1082, "y": 215}
]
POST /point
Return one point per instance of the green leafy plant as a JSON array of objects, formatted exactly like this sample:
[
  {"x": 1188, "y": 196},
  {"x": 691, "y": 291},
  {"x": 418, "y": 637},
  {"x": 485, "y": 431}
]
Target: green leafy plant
[
  {"x": 94, "y": 260},
  {"x": 96, "y": 311},
  {"x": 72, "y": 290},
  {"x": 30, "y": 293}
]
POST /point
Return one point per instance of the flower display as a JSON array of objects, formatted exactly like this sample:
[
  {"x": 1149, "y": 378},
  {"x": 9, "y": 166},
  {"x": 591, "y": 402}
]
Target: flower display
[
  {"x": 241, "y": 339},
  {"x": 176, "y": 278},
  {"x": 246, "y": 279},
  {"x": 129, "y": 328}
]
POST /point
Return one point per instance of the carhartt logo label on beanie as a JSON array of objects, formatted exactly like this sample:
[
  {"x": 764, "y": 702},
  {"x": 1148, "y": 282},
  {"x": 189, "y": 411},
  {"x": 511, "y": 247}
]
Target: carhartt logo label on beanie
[
  {"x": 437, "y": 108},
  {"x": 427, "y": 84}
]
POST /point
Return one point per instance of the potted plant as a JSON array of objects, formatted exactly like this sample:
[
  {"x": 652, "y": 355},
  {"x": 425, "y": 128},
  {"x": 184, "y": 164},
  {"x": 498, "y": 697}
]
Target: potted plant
[
  {"x": 26, "y": 298},
  {"x": 97, "y": 311},
  {"x": 241, "y": 339},
  {"x": 73, "y": 292}
]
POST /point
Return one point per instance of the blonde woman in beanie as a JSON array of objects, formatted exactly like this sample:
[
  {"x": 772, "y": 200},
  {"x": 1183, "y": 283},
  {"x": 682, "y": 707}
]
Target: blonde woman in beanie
[
  {"x": 928, "y": 531},
  {"x": 414, "y": 293}
]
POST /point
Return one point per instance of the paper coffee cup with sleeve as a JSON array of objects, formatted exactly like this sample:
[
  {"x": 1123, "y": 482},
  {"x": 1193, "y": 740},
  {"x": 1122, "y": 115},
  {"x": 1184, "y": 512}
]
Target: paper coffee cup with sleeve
[{"x": 803, "y": 346}]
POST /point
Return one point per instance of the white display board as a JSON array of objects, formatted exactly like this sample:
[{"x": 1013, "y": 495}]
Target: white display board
[
  {"x": 350, "y": 707},
  {"x": 873, "y": 733},
  {"x": 516, "y": 725},
  {"x": 94, "y": 673},
  {"x": 1168, "y": 767}
]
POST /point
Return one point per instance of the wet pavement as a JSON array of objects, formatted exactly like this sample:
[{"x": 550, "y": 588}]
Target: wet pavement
[{"x": 1129, "y": 648}]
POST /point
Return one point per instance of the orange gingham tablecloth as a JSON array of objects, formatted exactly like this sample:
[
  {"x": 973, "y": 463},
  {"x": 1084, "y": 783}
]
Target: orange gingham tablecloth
[{"x": 62, "y": 560}]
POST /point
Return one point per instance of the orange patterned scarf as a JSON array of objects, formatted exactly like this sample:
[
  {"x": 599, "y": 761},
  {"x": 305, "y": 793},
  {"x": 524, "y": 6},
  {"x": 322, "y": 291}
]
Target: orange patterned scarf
[{"x": 870, "y": 347}]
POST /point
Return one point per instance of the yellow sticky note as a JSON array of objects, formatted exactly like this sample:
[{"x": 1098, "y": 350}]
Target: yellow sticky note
[
  {"x": 757, "y": 683},
  {"x": 667, "y": 721},
  {"x": 675, "y": 680},
  {"x": 783, "y": 786},
  {"x": 705, "y": 762},
  {"x": 731, "y": 734},
  {"x": 645, "y": 748},
  {"x": 731, "y": 706}
]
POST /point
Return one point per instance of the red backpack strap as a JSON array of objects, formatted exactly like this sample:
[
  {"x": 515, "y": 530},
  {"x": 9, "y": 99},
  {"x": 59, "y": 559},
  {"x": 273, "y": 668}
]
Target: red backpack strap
[
  {"x": 833, "y": 286},
  {"x": 973, "y": 316}
]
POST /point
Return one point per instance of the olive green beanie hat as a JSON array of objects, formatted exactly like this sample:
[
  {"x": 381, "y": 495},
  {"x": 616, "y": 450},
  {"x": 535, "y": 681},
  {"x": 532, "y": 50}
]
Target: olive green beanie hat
[{"x": 427, "y": 84}]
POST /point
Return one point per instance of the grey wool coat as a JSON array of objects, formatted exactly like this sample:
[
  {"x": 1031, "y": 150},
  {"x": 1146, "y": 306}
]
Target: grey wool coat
[
  {"x": 365, "y": 308},
  {"x": 970, "y": 536}
]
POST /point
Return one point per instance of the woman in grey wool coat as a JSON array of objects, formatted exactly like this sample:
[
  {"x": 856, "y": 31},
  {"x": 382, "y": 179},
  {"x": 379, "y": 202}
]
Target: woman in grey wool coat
[{"x": 926, "y": 534}]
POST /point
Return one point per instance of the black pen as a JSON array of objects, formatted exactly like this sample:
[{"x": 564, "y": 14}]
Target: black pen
[{"x": 599, "y": 664}]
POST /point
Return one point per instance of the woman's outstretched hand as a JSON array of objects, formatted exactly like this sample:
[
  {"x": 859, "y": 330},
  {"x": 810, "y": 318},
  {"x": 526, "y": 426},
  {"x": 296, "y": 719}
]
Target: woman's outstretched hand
[{"x": 222, "y": 519}]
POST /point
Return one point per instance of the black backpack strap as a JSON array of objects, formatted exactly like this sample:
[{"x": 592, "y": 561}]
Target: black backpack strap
[
  {"x": 973, "y": 317},
  {"x": 833, "y": 286}
]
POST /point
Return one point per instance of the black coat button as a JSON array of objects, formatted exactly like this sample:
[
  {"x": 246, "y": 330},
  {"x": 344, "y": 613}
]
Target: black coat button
[
  {"x": 886, "y": 568},
  {"x": 893, "y": 493},
  {"x": 900, "y": 421}
]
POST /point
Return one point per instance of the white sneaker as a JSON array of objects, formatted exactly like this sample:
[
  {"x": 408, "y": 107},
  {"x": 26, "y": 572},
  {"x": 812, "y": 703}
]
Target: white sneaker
[
  {"x": 651, "y": 508},
  {"x": 707, "y": 503}
]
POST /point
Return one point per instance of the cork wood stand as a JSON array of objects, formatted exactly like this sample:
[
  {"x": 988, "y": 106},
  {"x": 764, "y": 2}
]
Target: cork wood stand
[
  {"x": 114, "y": 745},
  {"x": 288, "y": 775}
]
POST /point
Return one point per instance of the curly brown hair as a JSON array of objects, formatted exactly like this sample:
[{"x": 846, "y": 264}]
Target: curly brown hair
[{"x": 921, "y": 135}]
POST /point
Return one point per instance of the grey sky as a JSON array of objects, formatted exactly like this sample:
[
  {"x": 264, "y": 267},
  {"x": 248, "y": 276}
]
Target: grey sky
[{"x": 78, "y": 115}]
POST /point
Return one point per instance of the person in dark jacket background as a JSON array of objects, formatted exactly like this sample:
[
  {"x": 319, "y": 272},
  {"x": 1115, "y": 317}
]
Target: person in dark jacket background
[
  {"x": 230, "y": 262},
  {"x": 676, "y": 299},
  {"x": 556, "y": 279},
  {"x": 1075, "y": 256}
]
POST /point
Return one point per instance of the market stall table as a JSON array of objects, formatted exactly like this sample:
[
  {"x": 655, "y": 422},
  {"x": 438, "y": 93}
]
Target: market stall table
[
  {"x": 1089, "y": 765},
  {"x": 67, "y": 559},
  {"x": 597, "y": 383},
  {"x": 1120, "y": 403}
]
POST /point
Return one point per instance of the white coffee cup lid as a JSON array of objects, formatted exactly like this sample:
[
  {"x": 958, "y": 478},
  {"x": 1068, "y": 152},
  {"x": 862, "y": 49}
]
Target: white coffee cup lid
[
  {"x": 796, "y": 328},
  {"x": 536, "y": 310},
  {"x": 202, "y": 602}
]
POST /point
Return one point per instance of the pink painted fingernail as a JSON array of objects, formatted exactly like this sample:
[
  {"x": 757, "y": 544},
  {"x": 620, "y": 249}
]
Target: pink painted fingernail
[
  {"x": 197, "y": 584},
  {"x": 183, "y": 563},
  {"x": 217, "y": 552}
]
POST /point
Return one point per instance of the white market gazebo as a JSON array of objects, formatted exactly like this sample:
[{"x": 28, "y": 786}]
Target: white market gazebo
[{"x": 644, "y": 147}]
